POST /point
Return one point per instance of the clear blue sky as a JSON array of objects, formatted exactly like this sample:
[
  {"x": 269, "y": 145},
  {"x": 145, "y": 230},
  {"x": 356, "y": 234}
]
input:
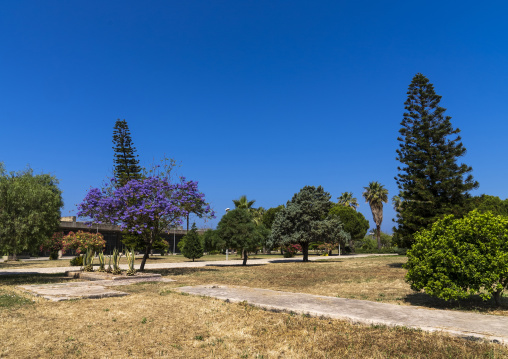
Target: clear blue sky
[{"x": 252, "y": 97}]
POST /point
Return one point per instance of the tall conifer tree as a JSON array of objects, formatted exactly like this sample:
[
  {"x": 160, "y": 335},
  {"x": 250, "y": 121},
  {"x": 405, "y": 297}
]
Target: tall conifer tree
[
  {"x": 430, "y": 181},
  {"x": 126, "y": 162}
]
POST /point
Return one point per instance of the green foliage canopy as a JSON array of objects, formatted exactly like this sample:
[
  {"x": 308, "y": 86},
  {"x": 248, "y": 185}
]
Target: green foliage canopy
[
  {"x": 304, "y": 220},
  {"x": 353, "y": 222},
  {"x": 29, "y": 210},
  {"x": 212, "y": 241},
  {"x": 269, "y": 215},
  {"x": 486, "y": 203},
  {"x": 238, "y": 231},
  {"x": 460, "y": 257}
]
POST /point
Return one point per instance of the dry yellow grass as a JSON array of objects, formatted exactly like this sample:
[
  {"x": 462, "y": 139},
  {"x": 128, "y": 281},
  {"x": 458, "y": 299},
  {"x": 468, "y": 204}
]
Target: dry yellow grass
[{"x": 155, "y": 321}]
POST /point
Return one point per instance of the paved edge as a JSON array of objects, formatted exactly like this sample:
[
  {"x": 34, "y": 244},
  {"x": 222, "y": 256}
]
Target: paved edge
[{"x": 197, "y": 290}]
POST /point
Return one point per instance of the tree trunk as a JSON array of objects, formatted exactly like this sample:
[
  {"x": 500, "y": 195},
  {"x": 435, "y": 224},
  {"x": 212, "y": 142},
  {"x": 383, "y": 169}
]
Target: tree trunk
[
  {"x": 187, "y": 223},
  {"x": 244, "y": 254},
  {"x": 145, "y": 257},
  {"x": 497, "y": 297},
  {"x": 305, "y": 250},
  {"x": 378, "y": 235}
]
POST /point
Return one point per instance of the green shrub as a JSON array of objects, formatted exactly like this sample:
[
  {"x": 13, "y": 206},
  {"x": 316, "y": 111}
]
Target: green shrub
[
  {"x": 191, "y": 245},
  {"x": 77, "y": 261},
  {"x": 53, "y": 256},
  {"x": 457, "y": 258}
]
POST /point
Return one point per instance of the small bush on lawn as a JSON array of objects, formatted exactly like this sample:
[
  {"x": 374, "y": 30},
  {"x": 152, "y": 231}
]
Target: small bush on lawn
[
  {"x": 291, "y": 250},
  {"x": 77, "y": 261},
  {"x": 191, "y": 245}
]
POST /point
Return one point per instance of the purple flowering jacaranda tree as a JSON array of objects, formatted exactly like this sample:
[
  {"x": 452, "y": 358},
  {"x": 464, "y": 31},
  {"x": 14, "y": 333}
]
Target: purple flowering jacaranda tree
[{"x": 147, "y": 207}]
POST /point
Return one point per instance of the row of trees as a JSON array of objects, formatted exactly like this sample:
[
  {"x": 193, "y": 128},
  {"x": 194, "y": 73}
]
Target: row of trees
[{"x": 310, "y": 216}]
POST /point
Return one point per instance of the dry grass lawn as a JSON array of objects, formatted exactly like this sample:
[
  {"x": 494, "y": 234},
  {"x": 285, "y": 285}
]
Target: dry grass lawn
[{"x": 155, "y": 321}]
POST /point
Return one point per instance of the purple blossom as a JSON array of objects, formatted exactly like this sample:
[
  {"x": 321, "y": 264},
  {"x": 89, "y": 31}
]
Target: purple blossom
[{"x": 141, "y": 202}]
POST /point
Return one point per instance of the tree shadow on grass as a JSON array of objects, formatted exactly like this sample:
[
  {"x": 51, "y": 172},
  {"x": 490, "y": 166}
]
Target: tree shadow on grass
[
  {"x": 328, "y": 261},
  {"x": 472, "y": 304},
  {"x": 33, "y": 278},
  {"x": 395, "y": 265},
  {"x": 19, "y": 264},
  {"x": 179, "y": 271},
  {"x": 235, "y": 265},
  {"x": 288, "y": 260}
]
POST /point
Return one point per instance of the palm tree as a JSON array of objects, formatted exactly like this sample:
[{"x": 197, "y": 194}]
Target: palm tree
[
  {"x": 347, "y": 199},
  {"x": 396, "y": 203},
  {"x": 257, "y": 215},
  {"x": 243, "y": 203},
  {"x": 375, "y": 194}
]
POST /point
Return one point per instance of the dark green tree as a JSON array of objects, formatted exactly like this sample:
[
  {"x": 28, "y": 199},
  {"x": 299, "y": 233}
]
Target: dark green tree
[
  {"x": 191, "y": 244},
  {"x": 353, "y": 222},
  {"x": 303, "y": 220},
  {"x": 126, "y": 163},
  {"x": 486, "y": 203},
  {"x": 431, "y": 182},
  {"x": 29, "y": 210},
  {"x": 237, "y": 229},
  {"x": 212, "y": 241},
  {"x": 269, "y": 215}
]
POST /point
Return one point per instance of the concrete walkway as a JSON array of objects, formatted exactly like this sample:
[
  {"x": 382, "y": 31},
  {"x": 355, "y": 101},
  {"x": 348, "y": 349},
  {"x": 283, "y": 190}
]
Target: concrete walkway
[
  {"x": 463, "y": 324},
  {"x": 148, "y": 265}
]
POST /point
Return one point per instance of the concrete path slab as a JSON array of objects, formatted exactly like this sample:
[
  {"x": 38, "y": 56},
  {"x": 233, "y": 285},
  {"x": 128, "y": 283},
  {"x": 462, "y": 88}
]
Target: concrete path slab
[
  {"x": 67, "y": 291},
  {"x": 463, "y": 324},
  {"x": 85, "y": 290}
]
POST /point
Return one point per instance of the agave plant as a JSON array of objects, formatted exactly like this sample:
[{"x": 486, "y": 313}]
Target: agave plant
[
  {"x": 116, "y": 262},
  {"x": 102, "y": 262},
  {"x": 88, "y": 260},
  {"x": 130, "y": 259},
  {"x": 110, "y": 269}
]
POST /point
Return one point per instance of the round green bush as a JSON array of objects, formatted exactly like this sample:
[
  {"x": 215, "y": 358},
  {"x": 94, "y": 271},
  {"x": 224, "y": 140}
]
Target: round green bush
[{"x": 457, "y": 258}]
